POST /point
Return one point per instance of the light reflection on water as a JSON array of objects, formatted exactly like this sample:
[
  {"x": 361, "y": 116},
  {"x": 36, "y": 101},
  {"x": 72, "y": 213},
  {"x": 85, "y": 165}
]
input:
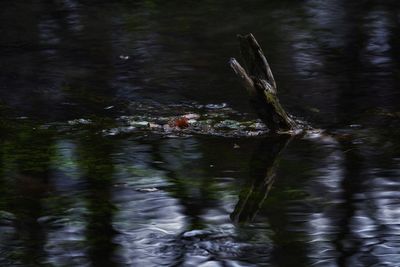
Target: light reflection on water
[
  {"x": 71, "y": 195},
  {"x": 170, "y": 201}
]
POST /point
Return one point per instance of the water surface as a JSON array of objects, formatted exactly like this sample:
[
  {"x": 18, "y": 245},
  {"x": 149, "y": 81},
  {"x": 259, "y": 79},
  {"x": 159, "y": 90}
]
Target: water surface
[{"x": 83, "y": 182}]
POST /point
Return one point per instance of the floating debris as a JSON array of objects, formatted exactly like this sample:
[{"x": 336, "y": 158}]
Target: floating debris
[
  {"x": 119, "y": 130},
  {"x": 181, "y": 122},
  {"x": 258, "y": 126},
  {"x": 79, "y": 121},
  {"x": 216, "y": 106},
  {"x": 191, "y": 116},
  {"x": 167, "y": 128},
  {"x": 254, "y": 133},
  {"x": 147, "y": 190},
  {"x": 124, "y": 57},
  {"x": 154, "y": 126},
  {"x": 22, "y": 118},
  {"x": 230, "y": 124},
  {"x": 139, "y": 123},
  {"x": 357, "y": 126}
]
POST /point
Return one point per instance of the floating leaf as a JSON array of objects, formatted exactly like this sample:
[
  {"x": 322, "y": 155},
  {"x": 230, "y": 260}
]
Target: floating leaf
[{"x": 181, "y": 122}]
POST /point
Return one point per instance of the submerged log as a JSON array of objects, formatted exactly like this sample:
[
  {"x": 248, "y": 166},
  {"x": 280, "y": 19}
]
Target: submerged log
[{"x": 260, "y": 84}]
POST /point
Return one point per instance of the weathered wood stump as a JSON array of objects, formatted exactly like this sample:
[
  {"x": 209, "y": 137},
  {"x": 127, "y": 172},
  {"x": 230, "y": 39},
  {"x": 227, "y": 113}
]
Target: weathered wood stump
[{"x": 260, "y": 84}]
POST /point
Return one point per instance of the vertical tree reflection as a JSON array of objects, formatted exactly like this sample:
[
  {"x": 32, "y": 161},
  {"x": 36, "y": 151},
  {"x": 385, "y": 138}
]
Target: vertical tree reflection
[
  {"x": 263, "y": 168},
  {"x": 95, "y": 157},
  {"x": 191, "y": 186},
  {"x": 27, "y": 155},
  {"x": 347, "y": 242}
]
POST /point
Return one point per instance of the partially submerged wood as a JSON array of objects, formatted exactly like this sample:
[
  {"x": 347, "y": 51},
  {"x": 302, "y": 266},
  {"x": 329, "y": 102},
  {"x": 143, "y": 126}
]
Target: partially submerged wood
[{"x": 260, "y": 84}]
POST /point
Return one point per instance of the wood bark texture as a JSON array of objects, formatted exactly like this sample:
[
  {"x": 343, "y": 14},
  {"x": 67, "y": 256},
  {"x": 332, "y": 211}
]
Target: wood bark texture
[{"x": 260, "y": 84}]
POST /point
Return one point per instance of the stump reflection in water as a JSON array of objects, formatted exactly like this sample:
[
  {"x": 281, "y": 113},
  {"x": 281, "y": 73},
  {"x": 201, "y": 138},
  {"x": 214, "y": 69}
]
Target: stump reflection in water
[{"x": 262, "y": 174}]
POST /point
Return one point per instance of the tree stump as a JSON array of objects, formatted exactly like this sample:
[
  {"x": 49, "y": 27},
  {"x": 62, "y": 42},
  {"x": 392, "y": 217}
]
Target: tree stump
[{"x": 260, "y": 84}]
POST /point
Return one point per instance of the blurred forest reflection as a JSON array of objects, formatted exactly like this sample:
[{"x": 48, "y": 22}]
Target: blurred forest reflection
[{"x": 72, "y": 196}]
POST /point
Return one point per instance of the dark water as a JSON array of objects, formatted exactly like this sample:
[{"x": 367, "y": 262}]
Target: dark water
[{"x": 76, "y": 190}]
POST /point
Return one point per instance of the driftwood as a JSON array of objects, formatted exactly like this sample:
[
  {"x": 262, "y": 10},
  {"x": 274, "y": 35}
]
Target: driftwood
[{"x": 260, "y": 84}]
